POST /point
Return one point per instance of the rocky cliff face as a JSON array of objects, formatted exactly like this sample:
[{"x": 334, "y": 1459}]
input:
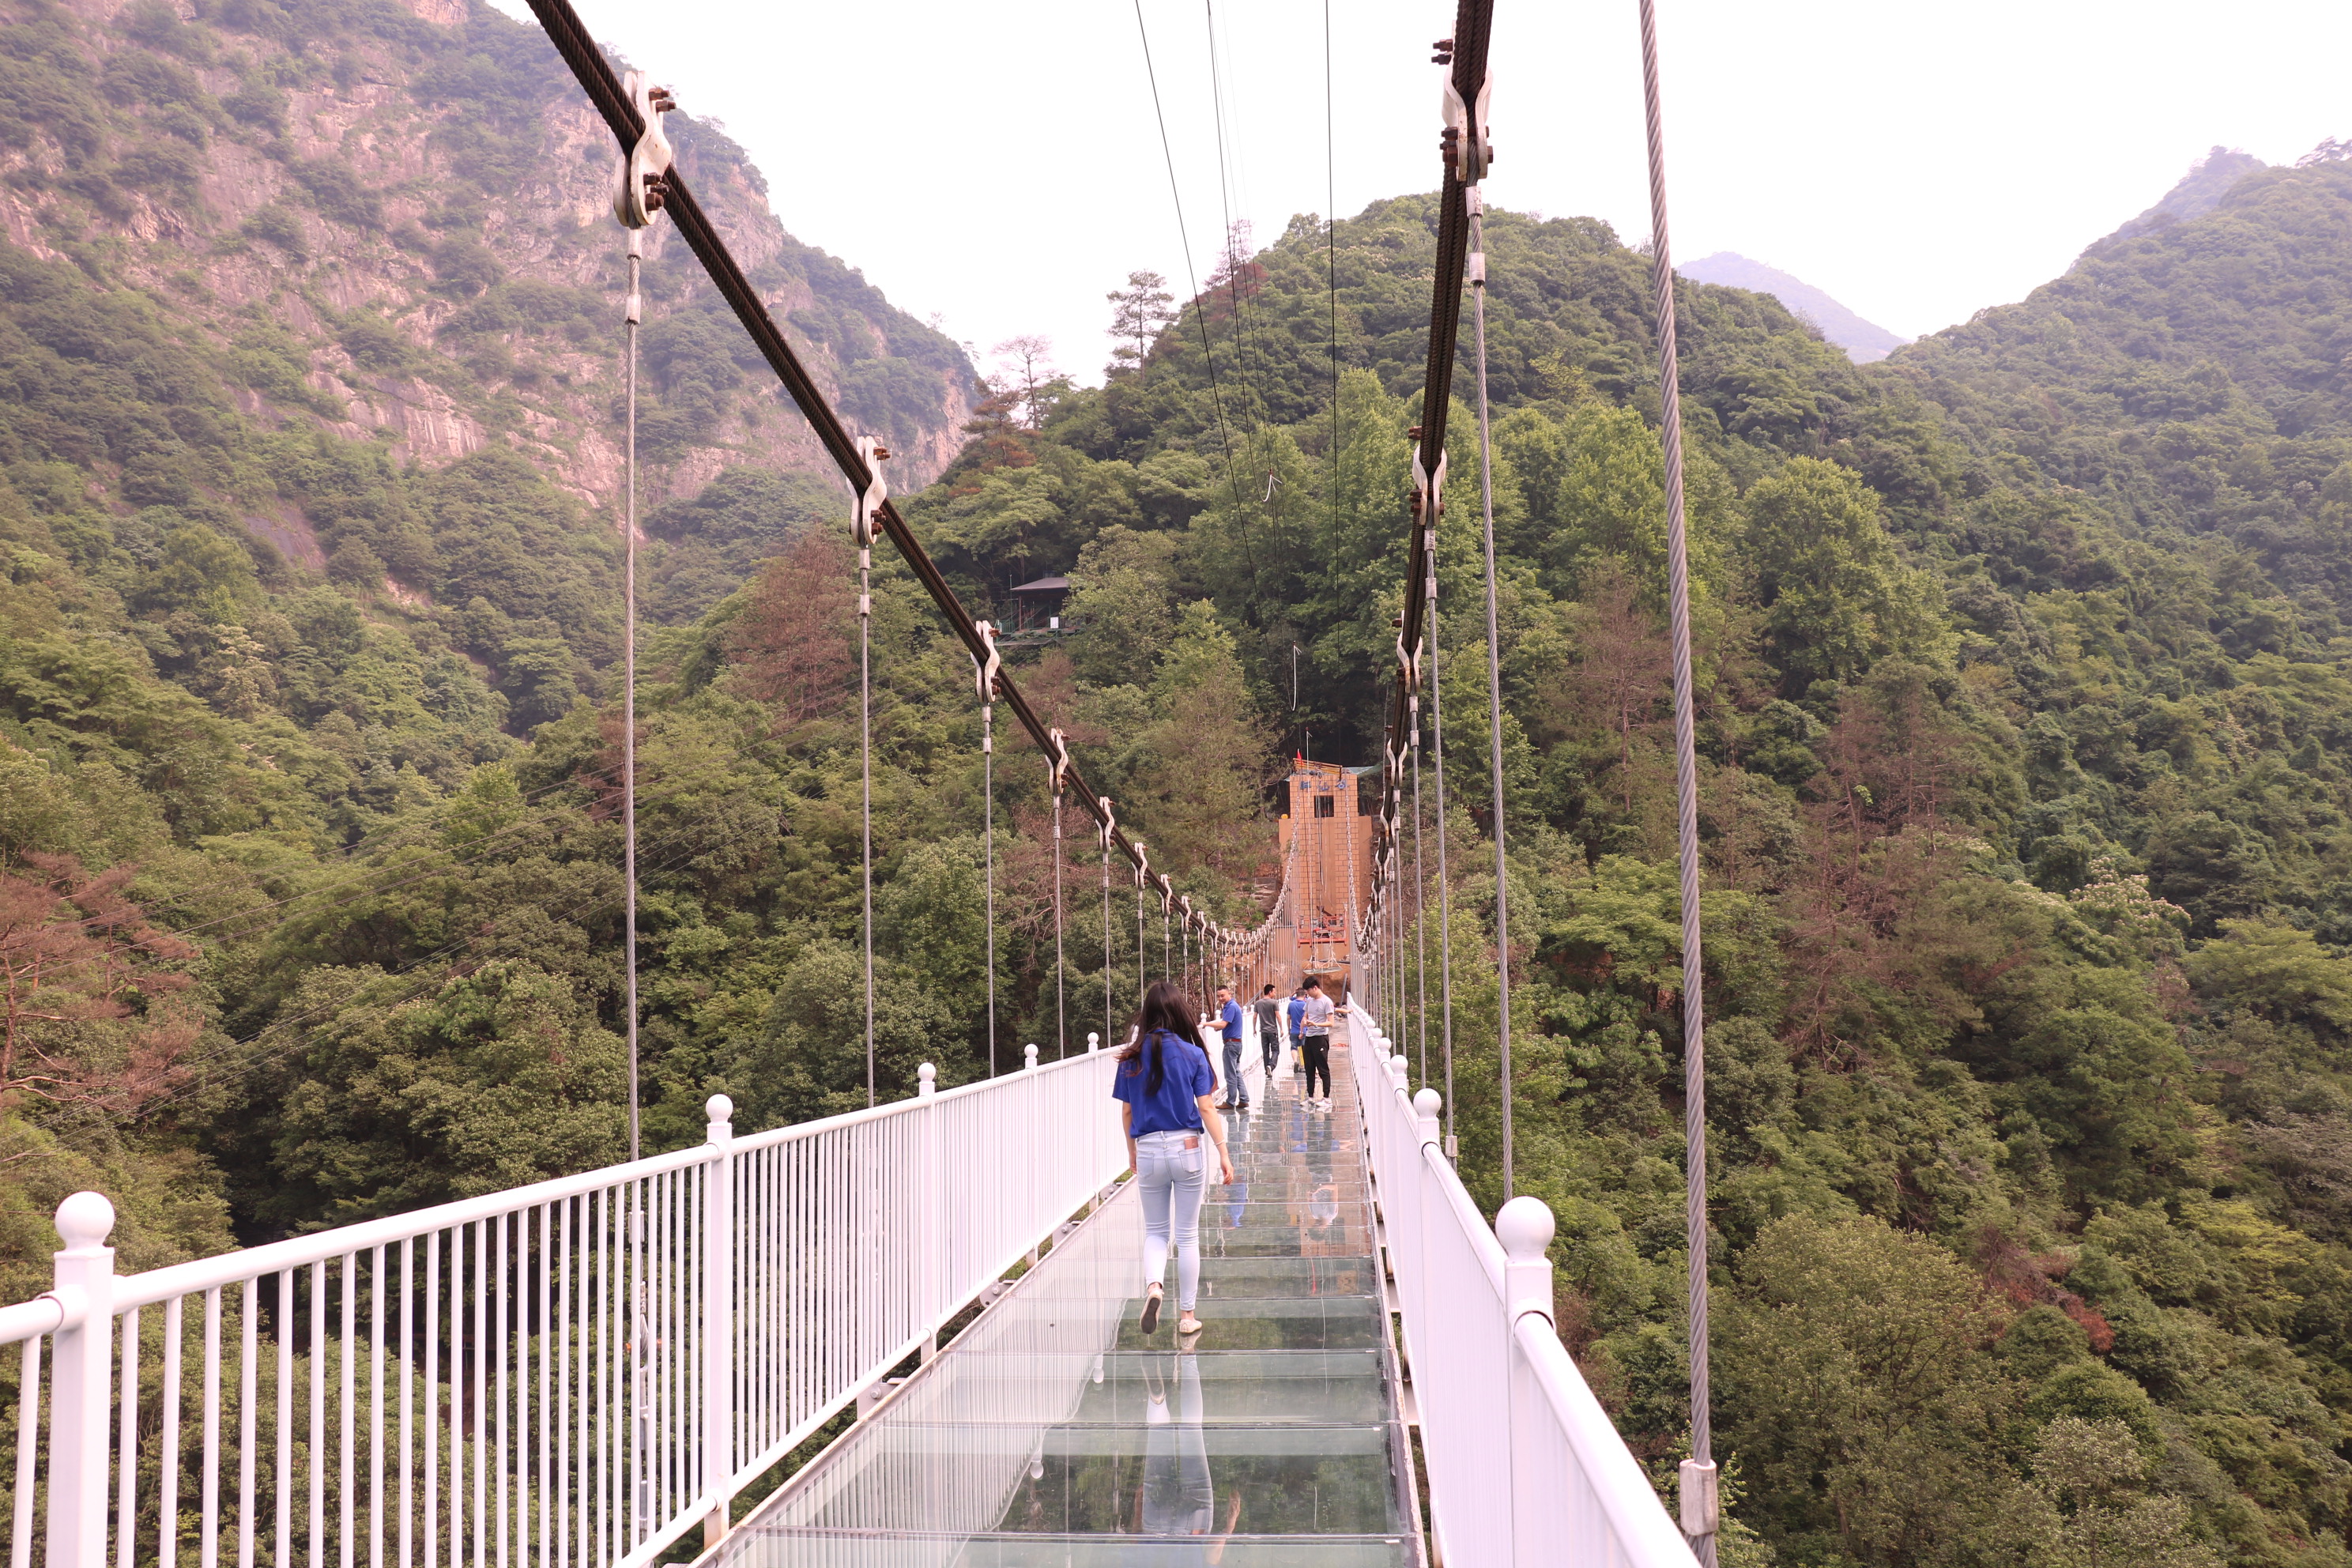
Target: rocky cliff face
[{"x": 393, "y": 221}]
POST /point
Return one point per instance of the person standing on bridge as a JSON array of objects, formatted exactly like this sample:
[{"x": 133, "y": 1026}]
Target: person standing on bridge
[
  {"x": 1167, "y": 1091},
  {"x": 1269, "y": 1033},
  {"x": 1315, "y": 1043},
  {"x": 1229, "y": 1025},
  {"x": 1297, "y": 1012}
]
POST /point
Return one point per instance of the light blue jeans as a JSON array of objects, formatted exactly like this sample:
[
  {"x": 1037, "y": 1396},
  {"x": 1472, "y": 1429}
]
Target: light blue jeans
[{"x": 1173, "y": 1179}]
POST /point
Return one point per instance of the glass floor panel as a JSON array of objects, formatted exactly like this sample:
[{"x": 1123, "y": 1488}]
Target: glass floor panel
[
  {"x": 1281, "y": 1324},
  {"x": 1330, "y": 1274},
  {"x": 1052, "y": 1432},
  {"x": 842, "y": 1549},
  {"x": 1313, "y": 1388},
  {"x": 1169, "y": 1477}
]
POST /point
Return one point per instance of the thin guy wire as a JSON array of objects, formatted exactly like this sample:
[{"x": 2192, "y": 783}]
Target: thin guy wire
[
  {"x": 1191, "y": 275},
  {"x": 1226, "y": 210},
  {"x": 629, "y": 682},
  {"x": 1494, "y": 691},
  {"x": 1331, "y": 259},
  {"x": 1661, "y": 272}
]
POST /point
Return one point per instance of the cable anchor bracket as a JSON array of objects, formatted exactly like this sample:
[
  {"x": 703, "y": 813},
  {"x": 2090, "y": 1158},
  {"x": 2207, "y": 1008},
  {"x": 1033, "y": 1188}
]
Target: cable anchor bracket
[
  {"x": 1464, "y": 142},
  {"x": 641, "y": 178}
]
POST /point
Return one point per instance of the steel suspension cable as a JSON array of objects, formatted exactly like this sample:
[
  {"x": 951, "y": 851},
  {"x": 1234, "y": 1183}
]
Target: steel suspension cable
[
  {"x": 632, "y": 308},
  {"x": 987, "y": 677},
  {"x": 1420, "y": 897},
  {"x": 1058, "y": 766},
  {"x": 1493, "y": 672},
  {"x": 1358, "y": 920},
  {"x": 1435, "y": 509},
  {"x": 1699, "y": 1504},
  {"x": 1104, "y": 833}
]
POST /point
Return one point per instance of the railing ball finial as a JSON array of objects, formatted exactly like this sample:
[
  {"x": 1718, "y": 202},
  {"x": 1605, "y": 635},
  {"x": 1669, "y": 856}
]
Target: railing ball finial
[
  {"x": 1094, "y": 1042},
  {"x": 927, "y": 1079},
  {"x": 1028, "y": 1059},
  {"x": 719, "y": 1111},
  {"x": 1427, "y": 1104},
  {"x": 84, "y": 1221},
  {"x": 1525, "y": 1228}
]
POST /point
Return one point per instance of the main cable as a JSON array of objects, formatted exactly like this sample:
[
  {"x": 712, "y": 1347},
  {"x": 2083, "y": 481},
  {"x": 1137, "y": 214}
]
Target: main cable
[
  {"x": 1699, "y": 1497},
  {"x": 605, "y": 95}
]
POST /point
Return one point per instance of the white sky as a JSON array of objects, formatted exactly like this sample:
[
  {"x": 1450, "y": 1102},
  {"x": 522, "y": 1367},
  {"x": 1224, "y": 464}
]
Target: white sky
[{"x": 999, "y": 164}]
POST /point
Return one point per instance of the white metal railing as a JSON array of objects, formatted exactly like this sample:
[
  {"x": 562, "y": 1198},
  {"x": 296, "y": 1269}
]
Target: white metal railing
[
  {"x": 1524, "y": 1464},
  {"x": 569, "y": 1375}
]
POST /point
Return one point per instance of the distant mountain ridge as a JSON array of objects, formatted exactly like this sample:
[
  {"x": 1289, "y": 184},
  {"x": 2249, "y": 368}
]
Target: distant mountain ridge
[
  {"x": 1864, "y": 342},
  {"x": 2199, "y": 191}
]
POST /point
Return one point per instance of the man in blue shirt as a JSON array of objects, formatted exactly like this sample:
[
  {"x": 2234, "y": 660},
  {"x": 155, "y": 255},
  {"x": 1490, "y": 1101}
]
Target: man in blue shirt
[
  {"x": 1229, "y": 1019},
  {"x": 1297, "y": 1011}
]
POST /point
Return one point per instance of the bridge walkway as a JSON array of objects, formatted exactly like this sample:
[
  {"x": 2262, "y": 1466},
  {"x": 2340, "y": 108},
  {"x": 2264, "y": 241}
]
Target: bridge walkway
[{"x": 1053, "y": 1432}]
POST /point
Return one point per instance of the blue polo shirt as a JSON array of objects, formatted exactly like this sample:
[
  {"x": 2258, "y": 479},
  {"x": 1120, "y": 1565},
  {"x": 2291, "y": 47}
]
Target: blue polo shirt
[
  {"x": 1297, "y": 1014},
  {"x": 1231, "y": 1015},
  {"x": 1185, "y": 1077}
]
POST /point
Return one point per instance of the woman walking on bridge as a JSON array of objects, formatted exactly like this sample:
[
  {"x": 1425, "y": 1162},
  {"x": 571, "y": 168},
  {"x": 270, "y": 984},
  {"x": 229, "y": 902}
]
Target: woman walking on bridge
[{"x": 1167, "y": 1092}]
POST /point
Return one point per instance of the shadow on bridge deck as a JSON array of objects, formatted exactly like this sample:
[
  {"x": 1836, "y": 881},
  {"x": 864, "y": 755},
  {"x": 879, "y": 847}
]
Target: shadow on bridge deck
[{"x": 1053, "y": 1432}]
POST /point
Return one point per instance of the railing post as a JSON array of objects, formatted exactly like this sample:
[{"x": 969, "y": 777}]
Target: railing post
[
  {"x": 81, "y": 1378},
  {"x": 1094, "y": 1042},
  {"x": 1036, "y": 1127},
  {"x": 1525, "y": 1228},
  {"x": 927, "y": 1088},
  {"x": 717, "y": 1317}
]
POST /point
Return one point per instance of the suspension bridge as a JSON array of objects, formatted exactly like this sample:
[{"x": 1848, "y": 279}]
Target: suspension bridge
[{"x": 922, "y": 1316}]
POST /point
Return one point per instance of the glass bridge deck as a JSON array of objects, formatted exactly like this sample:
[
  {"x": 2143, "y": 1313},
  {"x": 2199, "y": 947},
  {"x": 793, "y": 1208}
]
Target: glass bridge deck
[{"x": 1054, "y": 1432}]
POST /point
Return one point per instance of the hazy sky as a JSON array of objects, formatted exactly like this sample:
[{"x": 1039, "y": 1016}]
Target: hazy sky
[{"x": 999, "y": 165}]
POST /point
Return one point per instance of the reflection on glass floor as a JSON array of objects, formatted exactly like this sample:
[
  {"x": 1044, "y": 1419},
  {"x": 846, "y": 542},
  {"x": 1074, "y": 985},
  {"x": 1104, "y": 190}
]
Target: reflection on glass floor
[{"x": 1055, "y": 1431}]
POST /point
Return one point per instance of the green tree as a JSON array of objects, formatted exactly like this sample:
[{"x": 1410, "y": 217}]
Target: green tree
[{"x": 1836, "y": 592}]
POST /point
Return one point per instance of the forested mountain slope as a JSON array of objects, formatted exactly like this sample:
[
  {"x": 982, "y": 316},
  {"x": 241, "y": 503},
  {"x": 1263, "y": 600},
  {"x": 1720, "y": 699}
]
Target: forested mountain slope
[{"x": 2023, "y": 695}]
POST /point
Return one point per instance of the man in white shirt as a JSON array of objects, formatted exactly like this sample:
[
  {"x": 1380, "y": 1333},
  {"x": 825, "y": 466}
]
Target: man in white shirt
[{"x": 1315, "y": 1040}]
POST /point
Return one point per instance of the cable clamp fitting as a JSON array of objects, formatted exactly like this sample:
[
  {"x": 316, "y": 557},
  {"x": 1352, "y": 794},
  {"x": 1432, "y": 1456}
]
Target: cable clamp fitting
[
  {"x": 1057, "y": 766},
  {"x": 984, "y": 671},
  {"x": 1167, "y": 893},
  {"x": 1142, "y": 863},
  {"x": 865, "y": 505},
  {"x": 1700, "y": 1500},
  {"x": 1109, "y": 823},
  {"x": 1429, "y": 492},
  {"x": 641, "y": 179},
  {"x": 1465, "y": 141}
]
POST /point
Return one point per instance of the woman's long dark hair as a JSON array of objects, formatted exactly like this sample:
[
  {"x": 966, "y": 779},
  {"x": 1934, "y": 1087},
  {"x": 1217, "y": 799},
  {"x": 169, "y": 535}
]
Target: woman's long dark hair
[{"x": 1165, "y": 1011}]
